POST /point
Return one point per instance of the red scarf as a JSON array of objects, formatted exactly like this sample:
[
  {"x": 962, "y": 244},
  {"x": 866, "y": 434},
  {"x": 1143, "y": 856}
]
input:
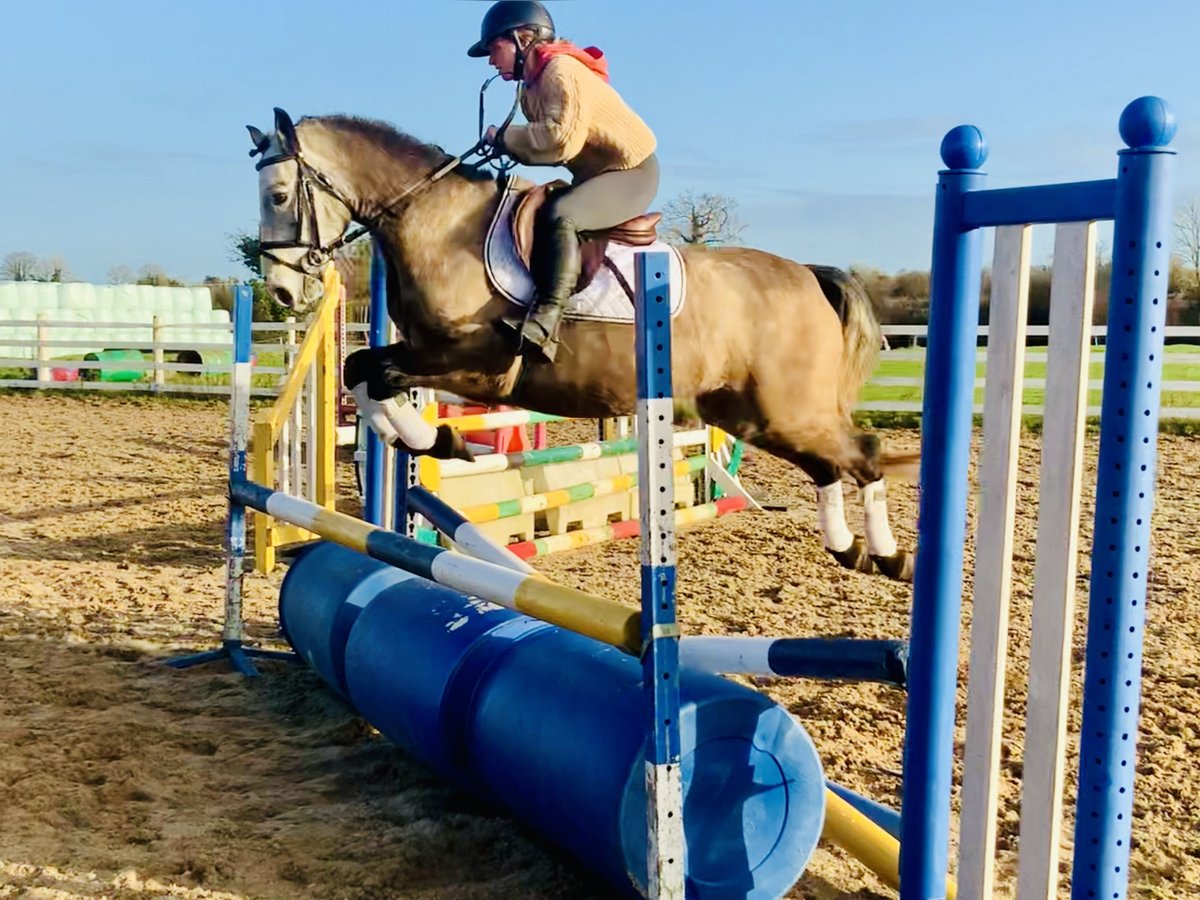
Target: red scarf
[{"x": 592, "y": 57}]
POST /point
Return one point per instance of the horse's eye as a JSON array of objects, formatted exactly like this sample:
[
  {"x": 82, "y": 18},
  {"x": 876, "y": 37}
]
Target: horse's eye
[{"x": 279, "y": 199}]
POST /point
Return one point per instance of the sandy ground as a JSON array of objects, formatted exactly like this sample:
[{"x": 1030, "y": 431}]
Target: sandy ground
[{"x": 120, "y": 777}]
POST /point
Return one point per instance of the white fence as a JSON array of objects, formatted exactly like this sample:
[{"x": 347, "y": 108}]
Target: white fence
[
  {"x": 1177, "y": 357},
  {"x": 50, "y": 350},
  {"x": 42, "y": 345}
]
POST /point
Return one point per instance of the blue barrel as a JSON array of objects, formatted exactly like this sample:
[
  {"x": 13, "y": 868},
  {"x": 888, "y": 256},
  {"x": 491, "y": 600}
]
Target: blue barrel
[
  {"x": 552, "y": 726},
  {"x": 317, "y": 624}
]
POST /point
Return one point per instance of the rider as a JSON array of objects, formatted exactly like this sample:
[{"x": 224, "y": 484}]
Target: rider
[{"x": 577, "y": 120}]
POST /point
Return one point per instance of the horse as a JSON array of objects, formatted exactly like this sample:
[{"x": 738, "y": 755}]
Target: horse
[{"x": 772, "y": 351}]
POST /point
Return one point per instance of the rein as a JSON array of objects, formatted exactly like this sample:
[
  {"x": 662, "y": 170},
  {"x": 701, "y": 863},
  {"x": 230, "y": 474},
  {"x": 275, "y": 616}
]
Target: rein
[{"x": 309, "y": 177}]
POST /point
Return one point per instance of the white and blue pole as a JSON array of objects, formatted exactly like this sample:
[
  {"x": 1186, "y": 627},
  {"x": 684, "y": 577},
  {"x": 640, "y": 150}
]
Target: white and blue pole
[
  {"x": 660, "y": 633},
  {"x": 375, "y": 480},
  {"x": 233, "y": 632}
]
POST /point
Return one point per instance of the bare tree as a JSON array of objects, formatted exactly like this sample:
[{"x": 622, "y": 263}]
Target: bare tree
[
  {"x": 702, "y": 219},
  {"x": 54, "y": 268},
  {"x": 1187, "y": 239},
  {"x": 121, "y": 274},
  {"x": 154, "y": 274},
  {"x": 22, "y": 266}
]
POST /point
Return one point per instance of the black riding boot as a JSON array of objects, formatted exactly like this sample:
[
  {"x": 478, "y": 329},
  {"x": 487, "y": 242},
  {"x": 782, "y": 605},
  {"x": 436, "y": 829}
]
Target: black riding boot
[{"x": 545, "y": 314}]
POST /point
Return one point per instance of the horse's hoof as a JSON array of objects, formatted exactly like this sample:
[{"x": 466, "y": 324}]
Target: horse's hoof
[
  {"x": 855, "y": 556},
  {"x": 899, "y": 566},
  {"x": 449, "y": 444}
]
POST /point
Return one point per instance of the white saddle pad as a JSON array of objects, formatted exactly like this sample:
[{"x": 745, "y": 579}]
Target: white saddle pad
[{"x": 604, "y": 299}]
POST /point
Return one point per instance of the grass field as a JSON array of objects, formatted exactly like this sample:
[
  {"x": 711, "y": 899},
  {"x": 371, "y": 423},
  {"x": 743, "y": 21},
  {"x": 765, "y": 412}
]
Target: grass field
[{"x": 1035, "y": 369}]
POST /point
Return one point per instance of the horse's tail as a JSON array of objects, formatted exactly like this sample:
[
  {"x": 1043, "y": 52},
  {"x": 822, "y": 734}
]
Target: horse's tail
[{"x": 861, "y": 336}]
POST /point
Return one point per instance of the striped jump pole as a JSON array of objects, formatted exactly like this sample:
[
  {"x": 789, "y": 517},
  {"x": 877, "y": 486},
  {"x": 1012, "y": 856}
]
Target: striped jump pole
[
  {"x": 232, "y": 646},
  {"x": 602, "y": 487},
  {"x": 848, "y": 659},
  {"x": 463, "y": 533},
  {"x": 574, "y": 610},
  {"x": 659, "y": 631},
  {"x": 630, "y": 528},
  {"x": 528, "y": 459},
  {"x": 504, "y": 419}
]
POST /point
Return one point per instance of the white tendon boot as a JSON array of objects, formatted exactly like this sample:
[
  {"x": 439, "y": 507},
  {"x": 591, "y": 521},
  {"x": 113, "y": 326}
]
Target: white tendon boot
[
  {"x": 846, "y": 547},
  {"x": 881, "y": 543},
  {"x": 401, "y": 425}
]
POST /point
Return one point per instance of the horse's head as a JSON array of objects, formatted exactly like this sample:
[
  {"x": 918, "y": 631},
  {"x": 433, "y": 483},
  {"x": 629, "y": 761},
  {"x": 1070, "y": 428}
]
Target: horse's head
[{"x": 302, "y": 213}]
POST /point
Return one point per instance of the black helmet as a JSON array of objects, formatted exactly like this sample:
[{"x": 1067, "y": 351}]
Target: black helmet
[{"x": 507, "y": 16}]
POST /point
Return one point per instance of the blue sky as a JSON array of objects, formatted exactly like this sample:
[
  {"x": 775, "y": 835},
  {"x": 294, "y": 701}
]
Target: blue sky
[{"x": 122, "y": 136}]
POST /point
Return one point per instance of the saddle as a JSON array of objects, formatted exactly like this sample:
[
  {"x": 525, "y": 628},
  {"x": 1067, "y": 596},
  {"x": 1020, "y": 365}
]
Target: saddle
[{"x": 640, "y": 231}]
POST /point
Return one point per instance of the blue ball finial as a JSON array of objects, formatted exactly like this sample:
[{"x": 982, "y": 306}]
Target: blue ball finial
[
  {"x": 964, "y": 147},
  {"x": 1147, "y": 122}
]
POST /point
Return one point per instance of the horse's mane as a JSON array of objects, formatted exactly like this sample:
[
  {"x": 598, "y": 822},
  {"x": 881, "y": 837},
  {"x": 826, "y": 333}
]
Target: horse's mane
[{"x": 394, "y": 142}]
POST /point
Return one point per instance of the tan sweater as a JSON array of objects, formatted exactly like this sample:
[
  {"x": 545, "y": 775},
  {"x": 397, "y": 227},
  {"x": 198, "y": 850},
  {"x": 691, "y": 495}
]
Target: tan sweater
[{"x": 578, "y": 120}]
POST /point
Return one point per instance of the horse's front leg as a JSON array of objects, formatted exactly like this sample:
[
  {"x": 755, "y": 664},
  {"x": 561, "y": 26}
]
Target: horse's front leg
[{"x": 375, "y": 377}]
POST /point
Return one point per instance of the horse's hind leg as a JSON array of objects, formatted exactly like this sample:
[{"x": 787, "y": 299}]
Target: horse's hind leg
[
  {"x": 865, "y": 466},
  {"x": 848, "y": 548},
  {"x": 824, "y": 454}
]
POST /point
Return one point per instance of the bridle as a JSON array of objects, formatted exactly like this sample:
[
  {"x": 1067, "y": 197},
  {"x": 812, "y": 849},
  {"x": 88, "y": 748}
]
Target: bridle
[
  {"x": 307, "y": 179},
  {"x": 310, "y": 179}
]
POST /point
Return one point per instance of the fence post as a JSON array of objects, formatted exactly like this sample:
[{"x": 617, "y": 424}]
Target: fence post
[
  {"x": 43, "y": 348},
  {"x": 156, "y": 329}
]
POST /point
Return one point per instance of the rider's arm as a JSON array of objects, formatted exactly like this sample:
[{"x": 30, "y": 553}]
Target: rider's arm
[{"x": 559, "y": 130}]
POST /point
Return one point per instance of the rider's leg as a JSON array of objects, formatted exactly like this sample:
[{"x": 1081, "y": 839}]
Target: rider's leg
[{"x": 600, "y": 202}]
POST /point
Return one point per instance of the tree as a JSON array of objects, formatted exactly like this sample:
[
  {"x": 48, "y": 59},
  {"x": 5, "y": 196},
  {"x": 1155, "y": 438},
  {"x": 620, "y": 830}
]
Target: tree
[
  {"x": 1187, "y": 240},
  {"x": 244, "y": 249},
  {"x": 702, "y": 219},
  {"x": 22, "y": 266},
  {"x": 121, "y": 274},
  {"x": 156, "y": 275},
  {"x": 55, "y": 269}
]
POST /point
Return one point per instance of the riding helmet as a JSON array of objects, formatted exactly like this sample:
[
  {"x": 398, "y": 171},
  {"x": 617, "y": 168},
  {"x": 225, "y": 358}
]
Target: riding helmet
[{"x": 507, "y": 16}]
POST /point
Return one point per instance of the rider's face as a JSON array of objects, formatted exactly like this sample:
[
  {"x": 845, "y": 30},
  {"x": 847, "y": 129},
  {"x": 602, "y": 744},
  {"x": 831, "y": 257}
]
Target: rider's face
[{"x": 502, "y": 54}]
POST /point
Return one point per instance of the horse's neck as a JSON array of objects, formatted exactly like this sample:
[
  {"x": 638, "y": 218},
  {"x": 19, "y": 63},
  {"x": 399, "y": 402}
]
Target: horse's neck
[
  {"x": 433, "y": 237},
  {"x": 436, "y": 245}
]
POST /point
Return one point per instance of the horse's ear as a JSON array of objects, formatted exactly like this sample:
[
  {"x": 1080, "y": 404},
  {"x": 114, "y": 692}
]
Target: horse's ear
[
  {"x": 259, "y": 140},
  {"x": 288, "y": 142}
]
